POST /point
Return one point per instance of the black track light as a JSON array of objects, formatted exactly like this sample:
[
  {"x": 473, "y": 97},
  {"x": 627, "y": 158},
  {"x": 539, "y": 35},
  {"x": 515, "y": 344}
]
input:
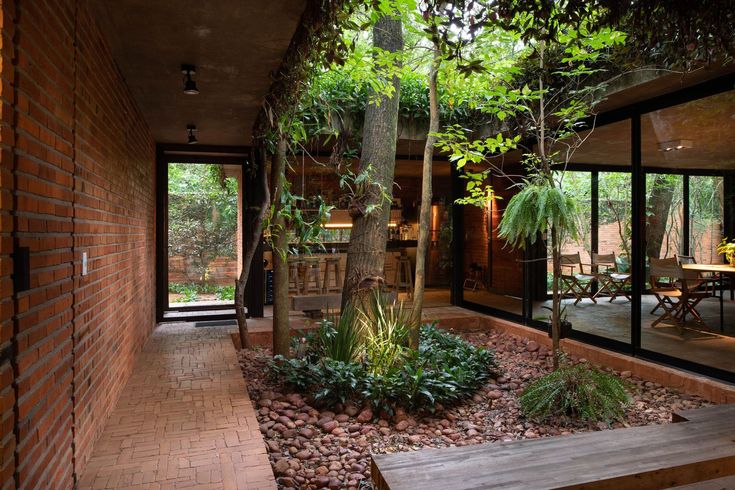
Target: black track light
[
  {"x": 192, "y": 138},
  {"x": 190, "y": 86}
]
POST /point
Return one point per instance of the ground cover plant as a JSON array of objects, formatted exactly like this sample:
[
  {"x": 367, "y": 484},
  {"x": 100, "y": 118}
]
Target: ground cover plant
[
  {"x": 373, "y": 364},
  {"x": 189, "y": 292},
  {"x": 578, "y": 391}
]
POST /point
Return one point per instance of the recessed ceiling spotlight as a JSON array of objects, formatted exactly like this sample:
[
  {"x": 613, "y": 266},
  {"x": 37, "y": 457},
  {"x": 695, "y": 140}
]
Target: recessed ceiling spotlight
[
  {"x": 192, "y": 138},
  {"x": 190, "y": 86},
  {"x": 675, "y": 145}
]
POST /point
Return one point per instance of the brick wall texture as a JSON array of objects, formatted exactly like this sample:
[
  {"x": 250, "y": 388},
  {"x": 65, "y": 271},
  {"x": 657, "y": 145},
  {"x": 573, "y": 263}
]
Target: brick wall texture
[
  {"x": 77, "y": 167},
  {"x": 503, "y": 273}
]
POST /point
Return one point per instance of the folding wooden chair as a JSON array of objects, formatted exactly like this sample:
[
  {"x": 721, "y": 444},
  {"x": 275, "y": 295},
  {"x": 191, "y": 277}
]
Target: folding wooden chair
[
  {"x": 698, "y": 280},
  {"x": 576, "y": 284},
  {"x": 609, "y": 277},
  {"x": 677, "y": 295},
  {"x": 663, "y": 275}
]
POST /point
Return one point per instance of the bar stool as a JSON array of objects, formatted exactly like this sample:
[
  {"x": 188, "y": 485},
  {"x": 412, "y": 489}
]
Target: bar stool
[
  {"x": 312, "y": 281},
  {"x": 294, "y": 276},
  {"x": 404, "y": 277},
  {"x": 333, "y": 263}
]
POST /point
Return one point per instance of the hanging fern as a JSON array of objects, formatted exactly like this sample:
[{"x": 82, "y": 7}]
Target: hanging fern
[{"x": 537, "y": 207}]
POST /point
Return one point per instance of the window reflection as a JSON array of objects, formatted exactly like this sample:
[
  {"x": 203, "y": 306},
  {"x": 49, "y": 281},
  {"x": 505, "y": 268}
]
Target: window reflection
[{"x": 688, "y": 155}]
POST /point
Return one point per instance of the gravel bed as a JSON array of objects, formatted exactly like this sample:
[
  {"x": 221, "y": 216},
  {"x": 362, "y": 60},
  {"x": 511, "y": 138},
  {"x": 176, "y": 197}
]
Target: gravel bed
[{"x": 317, "y": 447}]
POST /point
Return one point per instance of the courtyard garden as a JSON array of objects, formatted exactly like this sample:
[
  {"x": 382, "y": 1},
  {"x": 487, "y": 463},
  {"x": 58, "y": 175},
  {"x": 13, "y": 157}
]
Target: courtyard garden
[
  {"x": 505, "y": 94},
  {"x": 315, "y": 443}
]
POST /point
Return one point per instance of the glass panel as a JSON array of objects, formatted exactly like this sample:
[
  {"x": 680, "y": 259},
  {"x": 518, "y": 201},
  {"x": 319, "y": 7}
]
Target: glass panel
[
  {"x": 664, "y": 215},
  {"x": 706, "y": 220},
  {"x": 613, "y": 308},
  {"x": 203, "y": 221},
  {"x": 492, "y": 270},
  {"x": 604, "y": 145},
  {"x": 597, "y": 296},
  {"x": 579, "y": 186},
  {"x": 690, "y": 316}
]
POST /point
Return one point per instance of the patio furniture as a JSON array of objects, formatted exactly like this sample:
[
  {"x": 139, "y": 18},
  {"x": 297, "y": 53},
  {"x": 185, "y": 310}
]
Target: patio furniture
[
  {"x": 676, "y": 294},
  {"x": 700, "y": 278},
  {"x": 576, "y": 284},
  {"x": 663, "y": 275},
  {"x": 720, "y": 270},
  {"x": 475, "y": 279},
  {"x": 611, "y": 280}
]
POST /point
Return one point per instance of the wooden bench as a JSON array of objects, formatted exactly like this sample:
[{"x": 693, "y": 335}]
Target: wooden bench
[
  {"x": 313, "y": 305},
  {"x": 700, "y": 447}
]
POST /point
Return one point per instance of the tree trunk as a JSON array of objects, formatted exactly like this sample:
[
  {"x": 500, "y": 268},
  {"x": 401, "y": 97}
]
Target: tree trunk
[
  {"x": 425, "y": 212},
  {"x": 659, "y": 205},
  {"x": 257, "y": 201},
  {"x": 366, "y": 250},
  {"x": 279, "y": 239},
  {"x": 556, "y": 297}
]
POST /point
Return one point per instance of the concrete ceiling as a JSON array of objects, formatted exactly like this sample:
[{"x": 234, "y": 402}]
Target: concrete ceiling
[
  {"x": 234, "y": 44},
  {"x": 707, "y": 126}
]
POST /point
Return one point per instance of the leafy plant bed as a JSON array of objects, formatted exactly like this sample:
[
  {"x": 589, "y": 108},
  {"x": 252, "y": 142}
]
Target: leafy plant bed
[{"x": 313, "y": 448}]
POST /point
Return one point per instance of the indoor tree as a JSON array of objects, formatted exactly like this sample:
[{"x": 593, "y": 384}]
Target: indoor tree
[
  {"x": 317, "y": 38},
  {"x": 550, "y": 110},
  {"x": 449, "y": 28},
  {"x": 370, "y": 206}
]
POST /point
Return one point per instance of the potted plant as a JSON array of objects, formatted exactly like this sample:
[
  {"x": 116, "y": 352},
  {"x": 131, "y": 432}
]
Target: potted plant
[{"x": 728, "y": 249}]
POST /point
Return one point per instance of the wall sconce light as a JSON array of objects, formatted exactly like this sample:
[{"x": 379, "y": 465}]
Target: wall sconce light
[
  {"x": 192, "y": 138},
  {"x": 190, "y": 86},
  {"x": 675, "y": 145}
]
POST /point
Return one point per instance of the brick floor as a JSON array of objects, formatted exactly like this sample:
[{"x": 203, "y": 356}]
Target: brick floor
[{"x": 184, "y": 420}]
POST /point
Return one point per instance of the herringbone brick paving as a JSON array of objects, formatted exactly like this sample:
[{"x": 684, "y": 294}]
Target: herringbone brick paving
[{"x": 184, "y": 420}]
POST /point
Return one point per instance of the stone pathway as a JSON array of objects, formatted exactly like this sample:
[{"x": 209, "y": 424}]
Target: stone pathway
[{"x": 184, "y": 420}]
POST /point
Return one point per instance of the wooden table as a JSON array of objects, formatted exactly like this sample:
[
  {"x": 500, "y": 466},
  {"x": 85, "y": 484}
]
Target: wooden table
[{"x": 721, "y": 269}]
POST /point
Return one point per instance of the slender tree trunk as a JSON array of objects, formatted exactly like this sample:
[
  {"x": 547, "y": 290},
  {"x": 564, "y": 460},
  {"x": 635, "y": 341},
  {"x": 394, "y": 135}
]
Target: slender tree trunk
[
  {"x": 366, "y": 250},
  {"x": 426, "y": 197},
  {"x": 279, "y": 239},
  {"x": 257, "y": 205},
  {"x": 556, "y": 297},
  {"x": 659, "y": 205},
  {"x": 555, "y": 238}
]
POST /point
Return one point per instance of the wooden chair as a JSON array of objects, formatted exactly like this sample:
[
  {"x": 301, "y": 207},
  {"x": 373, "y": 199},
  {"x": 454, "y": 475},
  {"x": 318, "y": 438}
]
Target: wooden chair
[
  {"x": 676, "y": 294},
  {"x": 663, "y": 275},
  {"x": 609, "y": 277},
  {"x": 695, "y": 279},
  {"x": 576, "y": 284}
]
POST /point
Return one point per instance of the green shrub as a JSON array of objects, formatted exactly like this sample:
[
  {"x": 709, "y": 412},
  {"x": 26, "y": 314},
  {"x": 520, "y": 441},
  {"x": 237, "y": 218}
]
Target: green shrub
[
  {"x": 226, "y": 293},
  {"x": 385, "y": 335},
  {"x": 188, "y": 292},
  {"x": 579, "y": 391},
  {"x": 178, "y": 288},
  {"x": 337, "y": 338},
  {"x": 445, "y": 369}
]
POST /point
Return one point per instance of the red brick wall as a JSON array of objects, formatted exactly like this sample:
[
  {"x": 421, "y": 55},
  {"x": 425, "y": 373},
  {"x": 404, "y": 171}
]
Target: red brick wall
[
  {"x": 222, "y": 271},
  {"x": 505, "y": 272},
  {"x": 7, "y": 392},
  {"x": 114, "y": 224},
  {"x": 84, "y": 177}
]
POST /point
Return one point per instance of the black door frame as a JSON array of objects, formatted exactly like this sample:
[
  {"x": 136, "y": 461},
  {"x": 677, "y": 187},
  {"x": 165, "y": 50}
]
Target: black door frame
[{"x": 201, "y": 154}]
